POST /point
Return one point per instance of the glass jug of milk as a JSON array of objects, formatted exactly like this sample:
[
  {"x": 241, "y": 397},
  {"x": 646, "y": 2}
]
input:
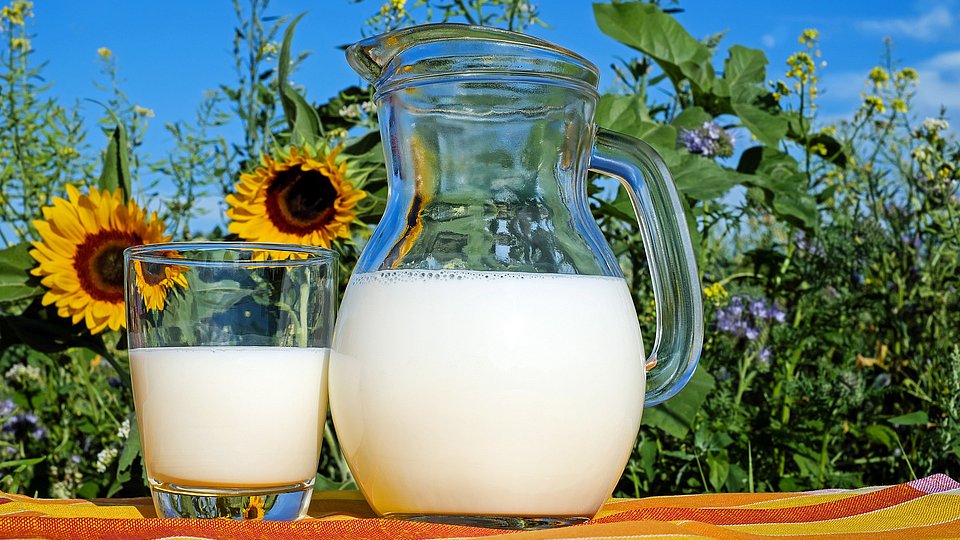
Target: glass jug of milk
[{"x": 488, "y": 366}]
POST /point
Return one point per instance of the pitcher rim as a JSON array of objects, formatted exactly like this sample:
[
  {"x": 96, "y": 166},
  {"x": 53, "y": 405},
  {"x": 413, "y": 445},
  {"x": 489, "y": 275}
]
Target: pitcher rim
[{"x": 370, "y": 57}]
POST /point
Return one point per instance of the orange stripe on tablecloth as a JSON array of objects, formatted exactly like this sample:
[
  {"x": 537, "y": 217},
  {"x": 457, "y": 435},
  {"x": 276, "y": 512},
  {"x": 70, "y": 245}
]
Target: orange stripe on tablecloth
[
  {"x": 633, "y": 529},
  {"x": 143, "y": 529},
  {"x": 859, "y": 504}
]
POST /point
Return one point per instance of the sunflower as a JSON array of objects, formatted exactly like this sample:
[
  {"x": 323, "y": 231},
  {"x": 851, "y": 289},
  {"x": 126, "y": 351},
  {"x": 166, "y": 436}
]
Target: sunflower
[
  {"x": 81, "y": 255},
  {"x": 303, "y": 198},
  {"x": 153, "y": 282},
  {"x": 255, "y": 509}
]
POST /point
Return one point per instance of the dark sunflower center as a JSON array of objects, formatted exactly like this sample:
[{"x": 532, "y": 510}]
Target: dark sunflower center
[
  {"x": 152, "y": 273},
  {"x": 300, "y": 202},
  {"x": 99, "y": 264}
]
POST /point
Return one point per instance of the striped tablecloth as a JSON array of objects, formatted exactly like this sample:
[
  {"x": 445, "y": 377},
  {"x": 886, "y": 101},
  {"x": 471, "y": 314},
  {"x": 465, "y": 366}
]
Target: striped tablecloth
[{"x": 925, "y": 508}]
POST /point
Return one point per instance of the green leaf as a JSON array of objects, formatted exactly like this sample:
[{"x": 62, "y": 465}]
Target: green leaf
[
  {"x": 777, "y": 175},
  {"x": 691, "y": 118},
  {"x": 131, "y": 449},
  {"x": 116, "y": 163},
  {"x": 884, "y": 435},
  {"x": 702, "y": 179},
  {"x": 835, "y": 153},
  {"x": 768, "y": 128},
  {"x": 916, "y": 418},
  {"x": 657, "y": 34},
  {"x": 302, "y": 118},
  {"x": 809, "y": 466},
  {"x": 20, "y": 464},
  {"x": 625, "y": 114},
  {"x": 675, "y": 416},
  {"x": 744, "y": 68},
  {"x": 16, "y": 283},
  {"x": 719, "y": 465},
  {"x": 322, "y": 483}
]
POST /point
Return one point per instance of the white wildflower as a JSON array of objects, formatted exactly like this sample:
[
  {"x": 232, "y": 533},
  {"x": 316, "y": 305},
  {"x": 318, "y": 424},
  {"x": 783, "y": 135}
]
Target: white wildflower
[
  {"x": 936, "y": 125},
  {"x": 350, "y": 111},
  {"x": 124, "y": 430},
  {"x": 22, "y": 373},
  {"x": 105, "y": 457},
  {"x": 59, "y": 490}
]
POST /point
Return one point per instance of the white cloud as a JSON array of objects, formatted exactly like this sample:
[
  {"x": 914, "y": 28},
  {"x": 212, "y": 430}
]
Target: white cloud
[
  {"x": 930, "y": 26},
  {"x": 949, "y": 61},
  {"x": 938, "y": 87},
  {"x": 768, "y": 41}
]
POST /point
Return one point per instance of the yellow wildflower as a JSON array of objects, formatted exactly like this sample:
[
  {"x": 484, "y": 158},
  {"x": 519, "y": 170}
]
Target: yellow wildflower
[
  {"x": 819, "y": 149},
  {"x": 20, "y": 43},
  {"x": 716, "y": 292},
  {"x": 907, "y": 75},
  {"x": 875, "y": 103},
  {"x": 879, "y": 76},
  {"x": 143, "y": 111},
  {"x": 104, "y": 53},
  {"x": 17, "y": 12},
  {"x": 809, "y": 37},
  {"x": 898, "y": 105},
  {"x": 829, "y": 130},
  {"x": 801, "y": 67},
  {"x": 270, "y": 49}
]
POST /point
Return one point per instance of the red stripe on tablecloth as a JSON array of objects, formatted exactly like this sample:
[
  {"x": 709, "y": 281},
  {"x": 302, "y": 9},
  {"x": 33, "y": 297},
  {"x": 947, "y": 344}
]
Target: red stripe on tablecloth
[{"x": 851, "y": 506}]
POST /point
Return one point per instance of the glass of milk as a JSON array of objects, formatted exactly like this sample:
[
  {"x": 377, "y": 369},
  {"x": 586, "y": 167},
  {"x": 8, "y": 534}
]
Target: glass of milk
[{"x": 229, "y": 345}]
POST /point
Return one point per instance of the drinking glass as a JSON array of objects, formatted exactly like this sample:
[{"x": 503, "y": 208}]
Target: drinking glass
[{"x": 229, "y": 345}]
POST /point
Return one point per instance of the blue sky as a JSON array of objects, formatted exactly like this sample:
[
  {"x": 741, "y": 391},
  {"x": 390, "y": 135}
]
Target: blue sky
[{"x": 170, "y": 52}]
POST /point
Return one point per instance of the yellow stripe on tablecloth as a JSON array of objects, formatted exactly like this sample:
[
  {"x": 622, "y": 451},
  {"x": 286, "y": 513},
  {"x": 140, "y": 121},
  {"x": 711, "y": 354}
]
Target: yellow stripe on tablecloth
[
  {"x": 809, "y": 499},
  {"x": 66, "y": 509},
  {"x": 932, "y": 509}
]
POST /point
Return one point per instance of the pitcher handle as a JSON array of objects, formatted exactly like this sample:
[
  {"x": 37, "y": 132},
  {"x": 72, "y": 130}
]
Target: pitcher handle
[{"x": 673, "y": 271}]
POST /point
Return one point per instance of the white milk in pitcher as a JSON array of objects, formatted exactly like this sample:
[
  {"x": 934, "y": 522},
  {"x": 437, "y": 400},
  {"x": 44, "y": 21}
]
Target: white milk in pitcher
[
  {"x": 486, "y": 393},
  {"x": 230, "y": 416}
]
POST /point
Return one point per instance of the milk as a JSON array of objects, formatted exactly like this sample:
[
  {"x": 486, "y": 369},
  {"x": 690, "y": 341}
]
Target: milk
[
  {"x": 230, "y": 416},
  {"x": 486, "y": 393}
]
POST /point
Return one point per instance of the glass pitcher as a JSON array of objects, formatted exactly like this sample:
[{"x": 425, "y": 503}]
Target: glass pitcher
[{"x": 488, "y": 365}]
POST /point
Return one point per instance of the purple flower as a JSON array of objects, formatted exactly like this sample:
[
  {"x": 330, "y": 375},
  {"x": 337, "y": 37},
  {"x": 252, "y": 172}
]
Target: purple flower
[
  {"x": 7, "y": 407},
  {"x": 764, "y": 355},
  {"x": 912, "y": 240},
  {"x": 774, "y": 313},
  {"x": 807, "y": 245},
  {"x": 744, "y": 316},
  {"x": 21, "y": 425},
  {"x": 758, "y": 308},
  {"x": 708, "y": 140}
]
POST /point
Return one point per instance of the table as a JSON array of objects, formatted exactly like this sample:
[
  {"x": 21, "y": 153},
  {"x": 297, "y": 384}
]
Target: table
[{"x": 921, "y": 509}]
